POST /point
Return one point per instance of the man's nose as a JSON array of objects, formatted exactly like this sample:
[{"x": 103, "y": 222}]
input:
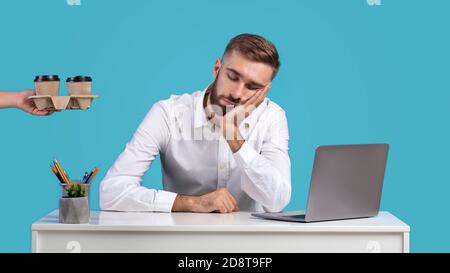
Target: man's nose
[{"x": 237, "y": 92}]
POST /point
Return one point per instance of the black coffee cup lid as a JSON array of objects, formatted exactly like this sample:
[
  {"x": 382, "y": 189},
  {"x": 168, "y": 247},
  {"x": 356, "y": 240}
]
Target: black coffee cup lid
[
  {"x": 46, "y": 78},
  {"x": 79, "y": 79}
]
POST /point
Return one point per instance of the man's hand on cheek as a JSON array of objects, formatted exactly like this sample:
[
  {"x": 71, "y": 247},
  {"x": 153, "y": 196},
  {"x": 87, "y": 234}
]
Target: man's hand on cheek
[{"x": 232, "y": 119}]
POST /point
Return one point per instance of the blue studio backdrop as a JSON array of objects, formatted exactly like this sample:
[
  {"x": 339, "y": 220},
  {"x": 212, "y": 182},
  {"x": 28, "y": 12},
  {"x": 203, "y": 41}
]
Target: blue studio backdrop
[{"x": 352, "y": 72}]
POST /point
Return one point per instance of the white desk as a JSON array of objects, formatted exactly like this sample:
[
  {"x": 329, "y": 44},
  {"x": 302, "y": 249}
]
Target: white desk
[{"x": 213, "y": 232}]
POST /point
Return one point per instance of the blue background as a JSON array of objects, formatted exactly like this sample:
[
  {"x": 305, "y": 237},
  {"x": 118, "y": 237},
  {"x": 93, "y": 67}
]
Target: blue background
[{"x": 351, "y": 73}]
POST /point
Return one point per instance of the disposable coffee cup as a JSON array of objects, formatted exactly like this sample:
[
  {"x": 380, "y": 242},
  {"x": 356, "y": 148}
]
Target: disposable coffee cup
[
  {"x": 46, "y": 85},
  {"x": 79, "y": 85}
]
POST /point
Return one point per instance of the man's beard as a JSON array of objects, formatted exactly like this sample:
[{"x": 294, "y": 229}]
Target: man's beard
[{"x": 215, "y": 98}]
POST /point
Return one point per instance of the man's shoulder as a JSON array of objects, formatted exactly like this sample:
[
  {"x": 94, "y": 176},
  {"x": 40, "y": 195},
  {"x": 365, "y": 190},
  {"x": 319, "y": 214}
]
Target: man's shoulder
[{"x": 273, "y": 107}]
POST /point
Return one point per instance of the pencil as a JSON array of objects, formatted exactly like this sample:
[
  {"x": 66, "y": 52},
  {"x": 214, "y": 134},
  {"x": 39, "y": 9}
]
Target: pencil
[
  {"x": 56, "y": 174},
  {"x": 93, "y": 175},
  {"x": 89, "y": 176},
  {"x": 61, "y": 172}
]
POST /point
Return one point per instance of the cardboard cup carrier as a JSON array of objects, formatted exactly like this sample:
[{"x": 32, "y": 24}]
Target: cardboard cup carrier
[{"x": 47, "y": 93}]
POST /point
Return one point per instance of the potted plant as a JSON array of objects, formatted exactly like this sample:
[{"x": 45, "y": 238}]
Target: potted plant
[{"x": 74, "y": 204}]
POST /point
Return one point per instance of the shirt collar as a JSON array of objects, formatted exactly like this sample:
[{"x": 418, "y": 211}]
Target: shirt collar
[{"x": 199, "y": 114}]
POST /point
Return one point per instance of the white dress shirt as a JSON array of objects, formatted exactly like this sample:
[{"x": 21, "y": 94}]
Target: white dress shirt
[{"x": 196, "y": 159}]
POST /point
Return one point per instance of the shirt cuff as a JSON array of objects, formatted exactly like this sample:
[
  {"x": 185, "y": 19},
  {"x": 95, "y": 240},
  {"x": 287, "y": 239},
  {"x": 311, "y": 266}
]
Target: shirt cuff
[
  {"x": 245, "y": 155},
  {"x": 164, "y": 201}
]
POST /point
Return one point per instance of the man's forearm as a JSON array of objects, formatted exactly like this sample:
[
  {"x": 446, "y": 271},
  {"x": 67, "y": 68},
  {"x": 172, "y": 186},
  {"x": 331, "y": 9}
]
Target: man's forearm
[
  {"x": 236, "y": 140},
  {"x": 8, "y": 99},
  {"x": 183, "y": 203},
  {"x": 266, "y": 180},
  {"x": 220, "y": 200}
]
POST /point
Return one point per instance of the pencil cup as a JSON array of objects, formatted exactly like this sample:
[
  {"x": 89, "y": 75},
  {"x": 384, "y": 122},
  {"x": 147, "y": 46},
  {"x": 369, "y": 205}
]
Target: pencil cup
[
  {"x": 74, "y": 207},
  {"x": 74, "y": 210}
]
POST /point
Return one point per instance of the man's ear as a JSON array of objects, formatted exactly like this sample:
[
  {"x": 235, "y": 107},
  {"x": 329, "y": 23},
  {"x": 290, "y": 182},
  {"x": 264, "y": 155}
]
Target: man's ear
[{"x": 216, "y": 68}]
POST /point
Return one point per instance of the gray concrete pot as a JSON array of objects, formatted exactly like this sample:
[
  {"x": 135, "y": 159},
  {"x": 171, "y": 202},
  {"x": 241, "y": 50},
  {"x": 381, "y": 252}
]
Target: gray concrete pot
[{"x": 74, "y": 210}]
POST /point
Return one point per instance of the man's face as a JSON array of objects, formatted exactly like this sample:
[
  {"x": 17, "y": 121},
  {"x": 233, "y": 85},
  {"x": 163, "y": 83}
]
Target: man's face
[{"x": 237, "y": 79}]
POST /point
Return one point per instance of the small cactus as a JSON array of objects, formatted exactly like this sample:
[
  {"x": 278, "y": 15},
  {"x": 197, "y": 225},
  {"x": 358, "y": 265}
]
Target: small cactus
[{"x": 76, "y": 190}]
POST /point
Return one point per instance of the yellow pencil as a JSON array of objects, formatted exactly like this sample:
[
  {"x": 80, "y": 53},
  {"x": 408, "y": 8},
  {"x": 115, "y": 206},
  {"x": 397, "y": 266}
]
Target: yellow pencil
[
  {"x": 55, "y": 171},
  {"x": 61, "y": 172}
]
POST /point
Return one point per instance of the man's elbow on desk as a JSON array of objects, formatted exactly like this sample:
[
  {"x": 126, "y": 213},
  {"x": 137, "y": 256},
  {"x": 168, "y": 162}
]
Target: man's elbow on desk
[
  {"x": 107, "y": 198},
  {"x": 273, "y": 198},
  {"x": 276, "y": 200},
  {"x": 278, "y": 206},
  {"x": 118, "y": 196}
]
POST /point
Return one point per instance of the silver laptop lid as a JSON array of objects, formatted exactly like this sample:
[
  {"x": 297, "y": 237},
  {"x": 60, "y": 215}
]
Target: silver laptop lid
[{"x": 346, "y": 181}]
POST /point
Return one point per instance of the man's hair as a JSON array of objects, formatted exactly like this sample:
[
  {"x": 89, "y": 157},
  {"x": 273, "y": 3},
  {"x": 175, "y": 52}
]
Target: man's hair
[{"x": 255, "y": 48}]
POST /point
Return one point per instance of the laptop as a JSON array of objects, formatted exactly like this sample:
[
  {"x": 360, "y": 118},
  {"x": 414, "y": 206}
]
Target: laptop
[{"x": 346, "y": 183}]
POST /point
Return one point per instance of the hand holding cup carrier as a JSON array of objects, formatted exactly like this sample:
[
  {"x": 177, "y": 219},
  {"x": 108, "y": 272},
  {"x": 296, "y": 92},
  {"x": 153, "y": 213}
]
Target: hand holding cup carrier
[{"x": 47, "y": 93}]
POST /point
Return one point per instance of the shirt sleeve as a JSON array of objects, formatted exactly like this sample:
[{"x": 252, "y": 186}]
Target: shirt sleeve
[
  {"x": 121, "y": 189},
  {"x": 267, "y": 175}
]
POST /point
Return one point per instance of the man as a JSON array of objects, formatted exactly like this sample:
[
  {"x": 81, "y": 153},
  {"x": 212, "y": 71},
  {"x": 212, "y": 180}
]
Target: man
[
  {"x": 20, "y": 100},
  {"x": 222, "y": 149}
]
